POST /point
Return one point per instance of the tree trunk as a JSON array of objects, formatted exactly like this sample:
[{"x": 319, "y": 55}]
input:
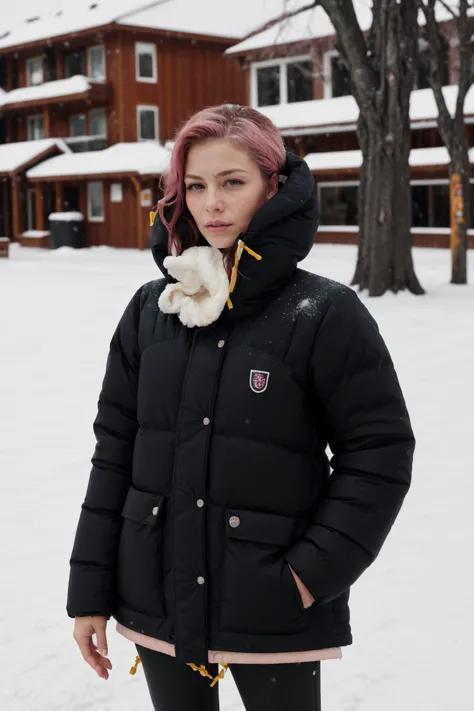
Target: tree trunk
[{"x": 385, "y": 261}]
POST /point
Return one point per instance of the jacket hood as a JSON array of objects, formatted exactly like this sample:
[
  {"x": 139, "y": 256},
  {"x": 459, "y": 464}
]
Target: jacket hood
[{"x": 282, "y": 232}]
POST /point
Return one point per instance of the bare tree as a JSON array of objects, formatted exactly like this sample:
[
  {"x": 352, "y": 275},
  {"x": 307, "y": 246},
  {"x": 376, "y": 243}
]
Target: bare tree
[
  {"x": 452, "y": 129},
  {"x": 381, "y": 65}
]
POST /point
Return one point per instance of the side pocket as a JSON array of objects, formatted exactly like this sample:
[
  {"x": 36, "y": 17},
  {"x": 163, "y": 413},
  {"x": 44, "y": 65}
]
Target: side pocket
[
  {"x": 140, "y": 561},
  {"x": 291, "y": 584}
]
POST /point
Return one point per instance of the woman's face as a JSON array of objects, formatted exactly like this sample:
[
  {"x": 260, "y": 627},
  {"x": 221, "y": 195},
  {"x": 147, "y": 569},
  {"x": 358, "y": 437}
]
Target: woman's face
[{"x": 224, "y": 190}]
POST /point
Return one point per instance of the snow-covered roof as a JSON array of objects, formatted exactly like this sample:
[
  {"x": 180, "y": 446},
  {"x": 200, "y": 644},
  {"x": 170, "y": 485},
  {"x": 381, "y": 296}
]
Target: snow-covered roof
[
  {"x": 314, "y": 23},
  {"x": 342, "y": 113},
  {"x": 48, "y": 90},
  {"x": 219, "y": 18},
  {"x": 145, "y": 158},
  {"x": 352, "y": 160},
  {"x": 14, "y": 156}
]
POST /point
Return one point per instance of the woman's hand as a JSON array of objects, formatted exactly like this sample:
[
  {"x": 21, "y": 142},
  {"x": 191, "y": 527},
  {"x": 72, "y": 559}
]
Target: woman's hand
[
  {"x": 306, "y": 596},
  {"x": 94, "y": 655}
]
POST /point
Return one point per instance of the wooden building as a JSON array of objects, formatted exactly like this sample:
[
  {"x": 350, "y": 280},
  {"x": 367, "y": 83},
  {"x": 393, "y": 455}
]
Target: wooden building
[
  {"x": 19, "y": 204},
  {"x": 97, "y": 77},
  {"x": 294, "y": 75},
  {"x": 114, "y": 189}
]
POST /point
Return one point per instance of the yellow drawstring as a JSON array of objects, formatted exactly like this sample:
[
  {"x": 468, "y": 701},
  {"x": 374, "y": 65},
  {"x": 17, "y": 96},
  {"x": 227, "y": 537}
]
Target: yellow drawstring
[
  {"x": 233, "y": 277},
  {"x": 201, "y": 669},
  {"x": 203, "y": 672},
  {"x": 152, "y": 218},
  {"x": 133, "y": 670}
]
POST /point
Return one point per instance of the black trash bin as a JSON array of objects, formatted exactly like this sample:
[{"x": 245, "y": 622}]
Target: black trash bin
[{"x": 67, "y": 229}]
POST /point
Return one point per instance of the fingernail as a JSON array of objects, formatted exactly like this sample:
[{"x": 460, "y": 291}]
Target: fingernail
[{"x": 103, "y": 652}]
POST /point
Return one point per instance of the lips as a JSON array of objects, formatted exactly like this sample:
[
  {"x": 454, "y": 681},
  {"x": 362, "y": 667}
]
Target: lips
[{"x": 217, "y": 223}]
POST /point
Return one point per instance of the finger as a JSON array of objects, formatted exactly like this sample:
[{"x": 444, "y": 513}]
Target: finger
[
  {"x": 93, "y": 658},
  {"x": 101, "y": 640}
]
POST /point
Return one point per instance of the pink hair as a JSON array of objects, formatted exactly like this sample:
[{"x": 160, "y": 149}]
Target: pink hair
[{"x": 247, "y": 128}]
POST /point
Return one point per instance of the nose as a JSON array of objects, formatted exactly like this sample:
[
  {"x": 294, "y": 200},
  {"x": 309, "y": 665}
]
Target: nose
[{"x": 214, "y": 202}]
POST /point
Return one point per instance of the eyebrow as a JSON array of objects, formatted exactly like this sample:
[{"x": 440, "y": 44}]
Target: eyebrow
[{"x": 218, "y": 175}]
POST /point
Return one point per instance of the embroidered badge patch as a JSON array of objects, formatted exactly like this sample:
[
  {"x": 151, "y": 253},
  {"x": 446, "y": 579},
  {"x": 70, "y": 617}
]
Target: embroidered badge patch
[{"x": 259, "y": 380}]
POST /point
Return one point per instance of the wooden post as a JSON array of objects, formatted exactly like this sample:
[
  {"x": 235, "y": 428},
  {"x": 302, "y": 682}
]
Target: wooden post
[
  {"x": 59, "y": 64},
  {"x": 138, "y": 189},
  {"x": 456, "y": 198},
  {"x": 39, "y": 206},
  {"x": 59, "y": 197},
  {"x": 47, "y": 121},
  {"x": 17, "y": 226}
]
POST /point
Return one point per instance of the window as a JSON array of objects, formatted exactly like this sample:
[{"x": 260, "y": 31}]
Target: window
[
  {"x": 300, "y": 81},
  {"x": 339, "y": 203},
  {"x": 95, "y": 201},
  {"x": 34, "y": 71},
  {"x": 147, "y": 120},
  {"x": 77, "y": 125},
  {"x": 430, "y": 204},
  {"x": 145, "y": 62},
  {"x": 96, "y": 62},
  {"x": 35, "y": 127},
  {"x": 268, "y": 86},
  {"x": 285, "y": 81},
  {"x": 74, "y": 63},
  {"x": 336, "y": 77},
  {"x": 3, "y": 71},
  {"x": 98, "y": 122}
]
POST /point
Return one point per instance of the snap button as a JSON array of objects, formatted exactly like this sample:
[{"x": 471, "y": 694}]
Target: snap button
[
  {"x": 206, "y": 421},
  {"x": 200, "y": 580},
  {"x": 234, "y": 521},
  {"x": 200, "y": 503},
  {"x": 155, "y": 510},
  {"x": 221, "y": 344}
]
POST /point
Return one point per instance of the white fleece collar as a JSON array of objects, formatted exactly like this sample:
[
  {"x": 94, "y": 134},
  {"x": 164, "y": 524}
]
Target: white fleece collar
[{"x": 202, "y": 288}]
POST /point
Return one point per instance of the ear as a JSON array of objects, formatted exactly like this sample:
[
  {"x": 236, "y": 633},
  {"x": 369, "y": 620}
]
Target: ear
[{"x": 272, "y": 186}]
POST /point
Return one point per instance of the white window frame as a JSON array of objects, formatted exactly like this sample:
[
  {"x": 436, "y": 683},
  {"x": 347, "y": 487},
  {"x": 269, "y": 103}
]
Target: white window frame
[
  {"x": 142, "y": 47},
  {"x": 327, "y": 71},
  {"x": 98, "y": 135},
  {"x": 89, "y": 201},
  {"x": 283, "y": 64},
  {"x": 89, "y": 62},
  {"x": 155, "y": 109},
  {"x": 30, "y": 121},
  {"x": 28, "y": 64}
]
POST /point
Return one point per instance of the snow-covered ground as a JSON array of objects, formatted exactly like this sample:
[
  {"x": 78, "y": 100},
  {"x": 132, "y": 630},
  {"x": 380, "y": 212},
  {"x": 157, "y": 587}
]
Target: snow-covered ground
[{"x": 412, "y": 612}]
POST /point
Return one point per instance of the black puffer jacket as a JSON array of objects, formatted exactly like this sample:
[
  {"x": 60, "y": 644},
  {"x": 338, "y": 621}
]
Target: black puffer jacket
[{"x": 210, "y": 472}]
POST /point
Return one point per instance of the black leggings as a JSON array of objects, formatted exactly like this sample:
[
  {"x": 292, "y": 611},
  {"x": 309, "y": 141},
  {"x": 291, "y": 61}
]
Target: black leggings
[{"x": 262, "y": 687}]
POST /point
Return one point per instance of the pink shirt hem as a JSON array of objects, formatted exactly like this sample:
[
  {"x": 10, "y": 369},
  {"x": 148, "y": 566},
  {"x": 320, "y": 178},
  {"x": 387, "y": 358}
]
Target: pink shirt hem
[{"x": 222, "y": 657}]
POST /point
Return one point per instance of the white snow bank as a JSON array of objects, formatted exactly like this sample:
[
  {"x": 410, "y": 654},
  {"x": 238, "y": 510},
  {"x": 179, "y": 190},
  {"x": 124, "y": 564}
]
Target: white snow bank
[
  {"x": 343, "y": 111},
  {"x": 411, "y": 611},
  {"x": 145, "y": 158},
  {"x": 15, "y": 155},
  {"x": 48, "y": 90}
]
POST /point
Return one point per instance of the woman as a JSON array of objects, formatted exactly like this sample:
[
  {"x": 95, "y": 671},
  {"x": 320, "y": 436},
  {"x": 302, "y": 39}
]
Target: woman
[{"x": 212, "y": 530}]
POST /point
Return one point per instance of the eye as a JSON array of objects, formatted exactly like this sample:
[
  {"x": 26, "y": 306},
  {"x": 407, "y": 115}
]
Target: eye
[
  {"x": 194, "y": 186},
  {"x": 233, "y": 182}
]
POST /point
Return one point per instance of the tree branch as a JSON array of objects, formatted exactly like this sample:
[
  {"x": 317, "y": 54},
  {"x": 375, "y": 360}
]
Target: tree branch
[{"x": 435, "y": 71}]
